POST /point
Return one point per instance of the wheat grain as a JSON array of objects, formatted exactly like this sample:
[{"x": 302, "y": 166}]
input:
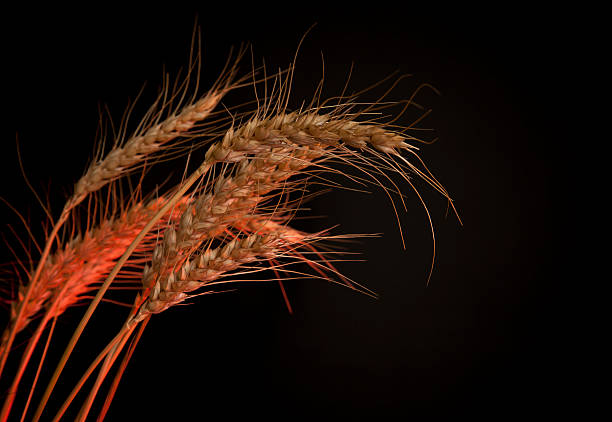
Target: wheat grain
[{"x": 206, "y": 267}]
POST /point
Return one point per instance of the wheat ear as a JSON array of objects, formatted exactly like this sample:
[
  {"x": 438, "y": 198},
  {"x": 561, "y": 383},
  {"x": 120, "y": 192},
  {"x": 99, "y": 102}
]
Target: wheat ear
[
  {"x": 122, "y": 158},
  {"x": 278, "y": 146},
  {"x": 206, "y": 267}
]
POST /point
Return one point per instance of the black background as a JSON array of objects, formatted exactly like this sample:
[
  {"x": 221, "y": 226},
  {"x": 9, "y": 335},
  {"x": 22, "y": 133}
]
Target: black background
[{"x": 477, "y": 341}]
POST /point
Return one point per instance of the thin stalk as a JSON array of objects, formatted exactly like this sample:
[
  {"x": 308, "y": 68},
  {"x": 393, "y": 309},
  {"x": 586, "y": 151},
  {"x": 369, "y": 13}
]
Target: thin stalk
[
  {"x": 106, "y": 366},
  {"x": 125, "y": 331},
  {"x": 121, "y": 370},
  {"x": 33, "y": 342},
  {"x": 40, "y": 365},
  {"x": 27, "y": 354}
]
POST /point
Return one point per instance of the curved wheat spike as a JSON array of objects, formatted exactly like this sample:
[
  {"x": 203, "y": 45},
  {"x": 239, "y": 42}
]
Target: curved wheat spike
[{"x": 206, "y": 267}]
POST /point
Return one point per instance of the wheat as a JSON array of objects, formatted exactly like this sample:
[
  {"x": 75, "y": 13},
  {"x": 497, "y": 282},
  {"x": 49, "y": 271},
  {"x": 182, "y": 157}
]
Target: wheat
[
  {"x": 206, "y": 267},
  {"x": 281, "y": 147},
  {"x": 122, "y": 158},
  {"x": 236, "y": 215},
  {"x": 303, "y": 129},
  {"x": 151, "y": 137}
]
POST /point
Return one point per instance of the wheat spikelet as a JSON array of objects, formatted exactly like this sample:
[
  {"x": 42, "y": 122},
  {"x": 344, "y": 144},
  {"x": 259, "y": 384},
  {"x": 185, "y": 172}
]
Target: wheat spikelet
[
  {"x": 259, "y": 224},
  {"x": 206, "y": 267}
]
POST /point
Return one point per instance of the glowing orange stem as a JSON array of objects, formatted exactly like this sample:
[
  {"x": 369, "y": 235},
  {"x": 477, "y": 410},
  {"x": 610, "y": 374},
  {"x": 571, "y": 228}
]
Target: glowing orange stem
[
  {"x": 125, "y": 331},
  {"x": 27, "y": 354},
  {"x": 106, "y": 366},
  {"x": 121, "y": 370},
  {"x": 40, "y": 365}
]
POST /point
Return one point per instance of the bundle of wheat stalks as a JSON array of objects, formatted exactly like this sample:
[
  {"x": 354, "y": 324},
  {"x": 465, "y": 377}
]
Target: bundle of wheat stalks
[{"x": 228, "y": 218}]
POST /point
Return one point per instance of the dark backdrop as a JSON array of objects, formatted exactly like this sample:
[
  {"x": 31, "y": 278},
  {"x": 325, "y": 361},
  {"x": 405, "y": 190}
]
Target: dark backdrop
[{"x": 476, "y": 341}]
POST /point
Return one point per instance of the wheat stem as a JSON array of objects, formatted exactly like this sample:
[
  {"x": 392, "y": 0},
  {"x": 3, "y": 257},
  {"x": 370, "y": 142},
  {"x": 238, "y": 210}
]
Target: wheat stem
[
  {"x": 108, "y": 363},
  {"x": 120, "y": 371},
  {"x": 124, "y": 332}
]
